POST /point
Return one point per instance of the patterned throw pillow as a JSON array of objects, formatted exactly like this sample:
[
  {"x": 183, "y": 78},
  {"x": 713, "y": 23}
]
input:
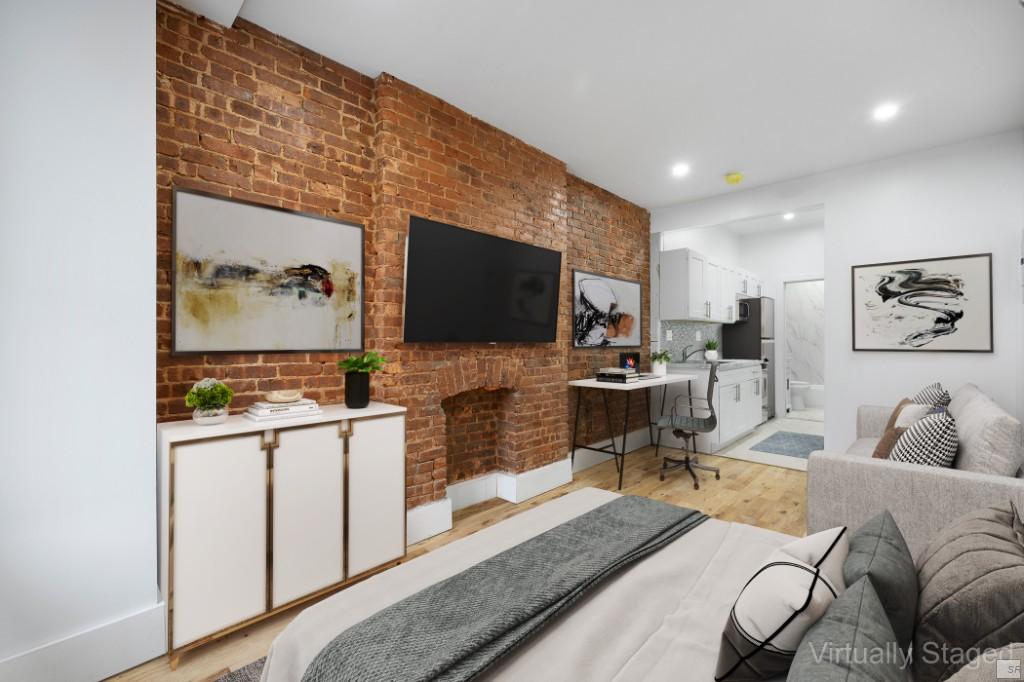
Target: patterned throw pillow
[
  {"x": 931, "y": 441},
  {"x": 776, "y": 607},
  {"x": 933, "y": 394}
]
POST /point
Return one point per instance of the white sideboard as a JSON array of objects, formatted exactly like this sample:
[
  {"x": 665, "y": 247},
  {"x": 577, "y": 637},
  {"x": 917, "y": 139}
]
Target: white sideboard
[{"x": 256, "y": 517}]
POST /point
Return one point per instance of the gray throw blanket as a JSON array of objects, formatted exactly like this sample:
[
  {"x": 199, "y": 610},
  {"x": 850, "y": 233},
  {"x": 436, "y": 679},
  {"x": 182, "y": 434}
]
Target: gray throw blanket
[{"x": 457, "y": 628}]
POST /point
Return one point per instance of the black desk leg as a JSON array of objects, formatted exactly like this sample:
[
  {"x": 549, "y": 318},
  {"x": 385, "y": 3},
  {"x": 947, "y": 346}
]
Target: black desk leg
[
  {"x": 611, "y": 429},
  {"x": 625, "y": 431},
  {"x": 576, "y": 423},
  {"x": 661, "y": 413},
  {"x": 650, "y": 425}
]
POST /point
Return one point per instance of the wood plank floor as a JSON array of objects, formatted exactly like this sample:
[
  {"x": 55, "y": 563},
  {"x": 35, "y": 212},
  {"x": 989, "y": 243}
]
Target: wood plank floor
[{"x": 756, "y": 494}]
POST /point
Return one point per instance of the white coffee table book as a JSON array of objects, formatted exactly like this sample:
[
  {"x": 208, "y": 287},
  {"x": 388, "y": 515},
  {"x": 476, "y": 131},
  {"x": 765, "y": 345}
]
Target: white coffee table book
[{"x": 258, "y": 516}]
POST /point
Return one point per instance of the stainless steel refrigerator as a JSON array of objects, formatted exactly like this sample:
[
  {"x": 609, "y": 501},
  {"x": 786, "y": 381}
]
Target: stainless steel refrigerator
[{"x": 752, "y": 337}]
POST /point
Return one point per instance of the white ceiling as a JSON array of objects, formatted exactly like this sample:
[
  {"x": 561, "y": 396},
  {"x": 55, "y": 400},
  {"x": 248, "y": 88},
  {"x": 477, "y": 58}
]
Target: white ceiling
[
  {"x": 807, "y": 217},
  {"x": 623, "y": 90}
]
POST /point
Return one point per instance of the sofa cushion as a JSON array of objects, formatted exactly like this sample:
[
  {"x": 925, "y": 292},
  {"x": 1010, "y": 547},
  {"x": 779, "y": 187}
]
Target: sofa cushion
[
  {"x": 834, "y": 649},
  {"x": 990, "y": 440},
  {"x": 863, "y": 447},
  {"x": 962, "y": 397},
  {"x": 931, "y": 441},
  {"x": 970, "y": 576}
]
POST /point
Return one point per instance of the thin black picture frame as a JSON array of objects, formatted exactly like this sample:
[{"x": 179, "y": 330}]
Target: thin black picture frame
[
  {"x": 639, "y": 315},
  {"x": 853, "y": 306},
  {"x": 175, "y": 192}
]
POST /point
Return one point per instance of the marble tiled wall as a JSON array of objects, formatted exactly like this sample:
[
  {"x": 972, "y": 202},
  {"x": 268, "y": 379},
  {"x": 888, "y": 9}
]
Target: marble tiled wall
[
  {"x": 685, "y": 334},
  {"x": 805, "y": 331}
]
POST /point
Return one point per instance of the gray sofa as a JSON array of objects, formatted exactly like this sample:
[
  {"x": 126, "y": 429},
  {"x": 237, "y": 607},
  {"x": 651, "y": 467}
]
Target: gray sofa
[{"x": 847, "y": 489}]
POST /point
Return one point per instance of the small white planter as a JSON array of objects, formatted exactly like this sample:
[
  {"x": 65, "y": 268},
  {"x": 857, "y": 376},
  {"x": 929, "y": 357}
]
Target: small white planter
[
  {"x": 659, "y": 369},
  {"x": 711, "y": 355},
  {"x": 210, "y": 417}
]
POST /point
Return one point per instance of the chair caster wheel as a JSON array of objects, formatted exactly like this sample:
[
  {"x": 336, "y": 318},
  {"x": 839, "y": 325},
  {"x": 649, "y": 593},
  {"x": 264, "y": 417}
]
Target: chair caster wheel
[
  {"x": 696, "y": 486},
  {"x": 718, "y": 477},
  {"x": 661, "y": 477}
]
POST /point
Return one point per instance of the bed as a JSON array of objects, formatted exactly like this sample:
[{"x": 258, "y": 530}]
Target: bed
[{"x": 655, "y": 619}]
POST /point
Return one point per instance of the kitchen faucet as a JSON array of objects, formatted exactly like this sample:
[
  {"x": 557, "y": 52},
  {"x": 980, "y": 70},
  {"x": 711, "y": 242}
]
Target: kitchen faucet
[{"x": 687, "y": 355}]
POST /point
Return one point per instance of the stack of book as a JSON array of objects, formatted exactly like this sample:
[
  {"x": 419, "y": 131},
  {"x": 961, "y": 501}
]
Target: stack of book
[
  {"x": 618, "y": 375},
  {"x": 265, "y": 412}
]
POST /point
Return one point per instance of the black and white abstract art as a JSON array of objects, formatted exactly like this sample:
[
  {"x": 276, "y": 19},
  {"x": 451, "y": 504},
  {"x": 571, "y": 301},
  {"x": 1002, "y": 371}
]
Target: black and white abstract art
[
  {"x": 605, "y": 311},
  {"x": 936, "y": 304}
]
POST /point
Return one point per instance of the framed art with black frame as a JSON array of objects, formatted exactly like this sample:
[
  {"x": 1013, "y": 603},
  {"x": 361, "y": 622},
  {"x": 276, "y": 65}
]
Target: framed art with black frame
[
  {"x": 925, "y": 305},
  {"x": 250, "y": 278},
  {"x": 606, "y": 311}
]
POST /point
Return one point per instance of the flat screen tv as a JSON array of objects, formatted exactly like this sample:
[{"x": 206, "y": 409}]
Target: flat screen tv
[{"x": 465, "y": 286}]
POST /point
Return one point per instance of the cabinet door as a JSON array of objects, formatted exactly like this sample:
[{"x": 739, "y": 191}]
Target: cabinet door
[
  {"x": 752, "y": 404},
  {"x": 697, "y": 295},
  {"x": 730, "y": 419},
  {"x": 308, "y": 511},
  {"x": 376, "y": 492},
  {"x": 219, "y": 536},
  {"x": 675, "y": 284},
  {"x": 713, "y": 291}
]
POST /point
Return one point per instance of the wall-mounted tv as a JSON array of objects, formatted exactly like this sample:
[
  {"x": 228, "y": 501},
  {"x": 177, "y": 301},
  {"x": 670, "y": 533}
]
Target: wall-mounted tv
[{"x": 465, "y": 286}]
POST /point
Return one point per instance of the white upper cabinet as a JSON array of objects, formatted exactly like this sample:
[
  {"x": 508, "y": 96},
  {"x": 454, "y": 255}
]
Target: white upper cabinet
[{"x": 694, "y": 287}]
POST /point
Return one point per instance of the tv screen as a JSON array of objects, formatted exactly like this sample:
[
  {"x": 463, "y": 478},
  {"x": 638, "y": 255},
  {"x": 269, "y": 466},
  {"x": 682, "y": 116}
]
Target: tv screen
[{"x": 464, "y": 286}]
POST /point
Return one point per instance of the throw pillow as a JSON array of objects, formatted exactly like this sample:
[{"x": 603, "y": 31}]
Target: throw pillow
[
  {"x": 778, "y": 605},
  {"x": 905, "y": 414},
  {"x": 1018, "y": 522},
  {"x": 878, "y": 551},
  {"x": 852, "y": 641},
  {"x": 931, "y": 441},
  {"x": 932, "y": 394},
  {"x": 970, "y": 576}
]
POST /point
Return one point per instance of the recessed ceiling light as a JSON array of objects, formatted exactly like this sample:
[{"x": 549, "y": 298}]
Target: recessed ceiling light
[
  {"x": 788, "y": 216},
  {"x": 680, "y": 170},
  {"x": 885, "y": 111}
]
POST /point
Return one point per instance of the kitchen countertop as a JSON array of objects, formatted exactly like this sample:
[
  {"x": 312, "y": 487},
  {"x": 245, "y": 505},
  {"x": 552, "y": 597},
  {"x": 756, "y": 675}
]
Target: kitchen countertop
[{"x": 723, "y": 366}]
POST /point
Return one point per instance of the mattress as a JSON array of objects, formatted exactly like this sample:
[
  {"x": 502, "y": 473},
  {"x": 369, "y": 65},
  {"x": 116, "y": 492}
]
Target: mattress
[{"x": 660, "y": 619}]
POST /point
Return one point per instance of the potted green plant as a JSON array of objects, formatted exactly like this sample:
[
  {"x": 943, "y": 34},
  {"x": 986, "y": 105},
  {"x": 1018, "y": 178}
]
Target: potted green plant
[
  {"x": 209, "y": 399},
  {"x": 357, "y": 377},
  {"x": 711, "y": 350},
  {"x": 659, "y": 363}
]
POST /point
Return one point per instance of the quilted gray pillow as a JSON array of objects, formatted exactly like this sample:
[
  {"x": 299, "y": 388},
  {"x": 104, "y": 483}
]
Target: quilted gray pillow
[
  {"x": 971, "y": 598},
  {"x": 853, "y": 642}
]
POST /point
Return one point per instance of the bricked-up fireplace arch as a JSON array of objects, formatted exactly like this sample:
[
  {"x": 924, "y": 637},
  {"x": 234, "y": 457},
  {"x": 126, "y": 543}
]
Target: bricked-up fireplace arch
[{"x": 476, "y": 432}]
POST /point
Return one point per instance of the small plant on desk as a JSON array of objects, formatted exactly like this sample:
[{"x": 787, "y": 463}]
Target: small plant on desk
[
  {"x": 711, "y": 350},
  {"x": 659, "y": 362}
]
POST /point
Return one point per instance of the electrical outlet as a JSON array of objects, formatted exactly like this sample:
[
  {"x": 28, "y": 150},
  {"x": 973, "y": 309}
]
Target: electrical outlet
[
  {"x": 668, "y": 334},
  {"x": 700, "y": 335}
]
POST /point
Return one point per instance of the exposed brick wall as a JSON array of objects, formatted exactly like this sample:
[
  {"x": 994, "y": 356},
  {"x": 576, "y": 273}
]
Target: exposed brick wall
[
  {"x": 244, "y": 113},
  {"x": 475, "y": 430},
  {"x": 609, "y": 235},
  {"x": 241, "y": 112}
]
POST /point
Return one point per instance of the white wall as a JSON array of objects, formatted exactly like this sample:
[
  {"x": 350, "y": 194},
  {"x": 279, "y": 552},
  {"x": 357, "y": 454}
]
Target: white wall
[
  {"x": 715, "y": 242},
  {"x": 78, "y": 596},
  {"x": 956, "y": 199}
]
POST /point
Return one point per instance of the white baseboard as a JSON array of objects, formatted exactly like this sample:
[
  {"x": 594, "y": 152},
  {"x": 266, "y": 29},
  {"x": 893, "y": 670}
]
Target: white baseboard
[
  {"x": 521, "y": 487},
  {"x": 427, "y": 520},
  {"x": 94, "y": 654},
  {"x": 587, "y": 458},
  {"x": 473, "y": 491}
]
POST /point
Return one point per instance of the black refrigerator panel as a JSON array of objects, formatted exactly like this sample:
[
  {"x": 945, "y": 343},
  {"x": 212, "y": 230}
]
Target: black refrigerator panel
[{"x": 742, "y": 340}]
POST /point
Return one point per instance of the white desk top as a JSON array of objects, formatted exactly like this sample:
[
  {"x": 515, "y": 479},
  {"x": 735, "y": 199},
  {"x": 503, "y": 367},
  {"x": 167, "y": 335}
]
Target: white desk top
[{"x": 643, "y": 383}]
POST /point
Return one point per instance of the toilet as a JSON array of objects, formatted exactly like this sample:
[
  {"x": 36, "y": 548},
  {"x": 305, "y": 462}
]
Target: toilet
[{"x": 803, "y": 395}]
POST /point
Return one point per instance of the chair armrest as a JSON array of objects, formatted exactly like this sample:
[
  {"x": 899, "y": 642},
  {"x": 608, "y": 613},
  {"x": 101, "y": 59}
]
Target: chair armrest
[
  {"x": 872, "y": 420},
  {"x": 845, "y": 490}
]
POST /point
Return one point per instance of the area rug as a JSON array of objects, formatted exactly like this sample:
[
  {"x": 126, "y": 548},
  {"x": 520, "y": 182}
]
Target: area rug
[
  {"x": 790, "y": 443},
  {"x": 250, "y": 673}
]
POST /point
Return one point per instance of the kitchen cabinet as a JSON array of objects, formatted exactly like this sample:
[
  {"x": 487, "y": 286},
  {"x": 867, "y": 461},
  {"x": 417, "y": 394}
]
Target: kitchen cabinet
[
  {"x": 737, "y": 403},
  {"x": 693, "y": 287}
]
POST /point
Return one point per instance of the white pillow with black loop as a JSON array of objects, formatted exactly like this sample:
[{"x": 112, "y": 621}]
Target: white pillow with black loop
[{"x": 784, "y": 598}]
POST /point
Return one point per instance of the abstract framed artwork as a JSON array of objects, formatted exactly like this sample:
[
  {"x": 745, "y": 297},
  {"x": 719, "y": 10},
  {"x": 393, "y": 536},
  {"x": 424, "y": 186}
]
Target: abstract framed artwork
[
  {"x": 928, "y": 305},
  {"x": 252, "y": 278},
  {"x": 606, "y": 311}
]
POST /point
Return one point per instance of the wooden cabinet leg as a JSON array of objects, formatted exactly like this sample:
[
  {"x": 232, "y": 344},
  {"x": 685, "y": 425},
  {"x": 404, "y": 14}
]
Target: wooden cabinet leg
[{"x": 173, "y": 659}]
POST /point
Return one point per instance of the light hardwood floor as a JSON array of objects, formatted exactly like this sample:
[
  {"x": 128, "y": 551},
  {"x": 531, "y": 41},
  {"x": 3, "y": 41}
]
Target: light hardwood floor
[{"x": 756, "y": 494}]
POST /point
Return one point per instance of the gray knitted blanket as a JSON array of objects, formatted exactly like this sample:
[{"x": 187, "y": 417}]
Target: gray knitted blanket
[{"x": 457, "y": 628}]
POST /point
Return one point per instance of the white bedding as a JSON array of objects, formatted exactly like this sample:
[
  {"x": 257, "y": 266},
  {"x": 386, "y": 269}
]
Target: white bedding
[{"x": 661, "y": 619}]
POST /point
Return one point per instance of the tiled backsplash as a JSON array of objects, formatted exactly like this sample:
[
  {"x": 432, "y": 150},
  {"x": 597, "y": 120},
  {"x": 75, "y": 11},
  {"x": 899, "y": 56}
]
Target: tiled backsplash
[{"x": 685, "y": 334}]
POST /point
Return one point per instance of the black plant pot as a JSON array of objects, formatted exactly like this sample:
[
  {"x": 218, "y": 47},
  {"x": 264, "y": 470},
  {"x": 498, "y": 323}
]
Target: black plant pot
[{"x": 357, "y": 389}]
